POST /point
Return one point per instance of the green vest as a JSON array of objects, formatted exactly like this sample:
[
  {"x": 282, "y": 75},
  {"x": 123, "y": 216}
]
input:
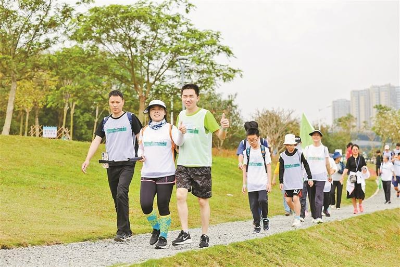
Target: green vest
[{"x": 196, "y": 149}]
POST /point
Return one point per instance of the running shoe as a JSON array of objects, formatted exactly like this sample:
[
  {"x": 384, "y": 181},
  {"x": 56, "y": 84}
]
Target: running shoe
[
  {"x": 266, "y": 224},
  {"x": 296, "y": 223},
  {"x": 122, "y": 237},
  {"x": 154, "y": 236},
  {"x": 183, "y": 238},
  {"x": 326, "y": 212},
  {"x": 301, "y": 219},
  {"x": 204, "y": 240},
  {"x": 162, "y": 243},
  {"x": 319, "y": 220},
  {"x": 257, "y": 230}
]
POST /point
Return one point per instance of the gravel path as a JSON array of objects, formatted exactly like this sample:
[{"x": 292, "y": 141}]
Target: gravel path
[{"x": 107, "y": 252}]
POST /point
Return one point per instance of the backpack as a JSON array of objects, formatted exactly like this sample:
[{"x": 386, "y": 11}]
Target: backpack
[
  {"x": 173, "y": 146},
  {"x": 248, "y": 157},
  {"x": 129, "y": 115}
]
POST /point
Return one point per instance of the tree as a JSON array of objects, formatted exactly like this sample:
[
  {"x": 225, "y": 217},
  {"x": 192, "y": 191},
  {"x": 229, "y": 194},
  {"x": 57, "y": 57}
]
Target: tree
[
  {"x": 145, "y": 39},
  {"x": 26, "y": 29},
  {"x": 386, "y": 124},
  {"x": 275, "y": 124},
  {"x": 80, "y": 80}
]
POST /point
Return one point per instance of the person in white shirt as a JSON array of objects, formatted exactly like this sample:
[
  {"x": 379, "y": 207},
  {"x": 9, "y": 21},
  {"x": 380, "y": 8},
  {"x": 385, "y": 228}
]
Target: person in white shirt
[
  {"x": 157, "y": 142},
  {"x": 317, "y": 156},
  {"x": 336, "y": 181},
  {"x": 396, "y": 164},
  {"x": 387, "y": 173},
  {"x": 257, "y": 178}
]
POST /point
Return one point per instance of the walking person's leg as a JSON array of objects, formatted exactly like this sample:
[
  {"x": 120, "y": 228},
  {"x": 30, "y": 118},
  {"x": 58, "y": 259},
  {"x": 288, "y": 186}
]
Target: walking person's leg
[
  {"x": 254, "y": 206},
  {"x": 123, "y": 198},
  {"x": 303, "y": 201},
  {"x": 147, "y": 193},
  {"x": 327, "y": 201},
  {"x": 311, "y": 199},
  {"x": 333, "y": 192},
  {"x": 339, "y": 195},
  {"x": 164, "y": 192},
  {"x": 319, "y": 198},
  {"x": 263, "y": 204},
  {"x": 285, "y": 204}
]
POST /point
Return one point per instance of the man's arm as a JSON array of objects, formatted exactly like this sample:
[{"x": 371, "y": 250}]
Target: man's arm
[{"x": 92, "y": 150}]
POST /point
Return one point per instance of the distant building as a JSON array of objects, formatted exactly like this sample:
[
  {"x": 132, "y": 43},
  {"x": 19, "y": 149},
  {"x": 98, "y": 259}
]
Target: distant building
[
  {"x": 398, "y": 96},
  {"x": 363, "y": 101},
  {"x": 340, "y": 108}
]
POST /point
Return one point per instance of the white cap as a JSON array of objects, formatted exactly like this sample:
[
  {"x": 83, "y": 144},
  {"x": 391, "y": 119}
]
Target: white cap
[
  {"x": 154, "y": 103},
  {"x": 290, "y": 139},
  {"x": 387, "y": 147}
]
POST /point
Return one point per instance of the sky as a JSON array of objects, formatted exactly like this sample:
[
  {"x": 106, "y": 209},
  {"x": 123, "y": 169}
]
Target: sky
[{"x": 302, "y": 55}]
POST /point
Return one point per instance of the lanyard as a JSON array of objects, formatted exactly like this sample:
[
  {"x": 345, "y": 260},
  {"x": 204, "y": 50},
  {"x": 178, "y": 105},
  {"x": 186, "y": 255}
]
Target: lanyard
[{"x": 357, "y": 163}]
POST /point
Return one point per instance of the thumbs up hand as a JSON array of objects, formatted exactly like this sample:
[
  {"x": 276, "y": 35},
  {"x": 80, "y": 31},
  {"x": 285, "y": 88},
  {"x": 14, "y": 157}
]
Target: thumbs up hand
[
  {"x": 224, "y": 121},
  {"x": 182, "y": 127}
]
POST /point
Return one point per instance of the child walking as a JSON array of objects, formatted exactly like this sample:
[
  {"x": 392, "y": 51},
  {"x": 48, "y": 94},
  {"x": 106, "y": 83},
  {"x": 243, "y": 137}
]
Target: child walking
[
  {"x": 291, "y": 175},
  {"x": 257, "y": 178}
]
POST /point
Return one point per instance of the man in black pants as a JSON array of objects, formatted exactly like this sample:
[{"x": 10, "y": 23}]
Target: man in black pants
[{"x": 120, "y": 129}]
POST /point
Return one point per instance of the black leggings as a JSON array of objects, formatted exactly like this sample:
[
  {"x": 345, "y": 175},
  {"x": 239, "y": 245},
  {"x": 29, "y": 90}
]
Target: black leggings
[{"x": 148, "y": 190}]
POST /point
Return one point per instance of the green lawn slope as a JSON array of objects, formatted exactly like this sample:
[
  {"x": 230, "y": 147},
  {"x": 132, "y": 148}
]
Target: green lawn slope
[{"x": 367, "y": 240}]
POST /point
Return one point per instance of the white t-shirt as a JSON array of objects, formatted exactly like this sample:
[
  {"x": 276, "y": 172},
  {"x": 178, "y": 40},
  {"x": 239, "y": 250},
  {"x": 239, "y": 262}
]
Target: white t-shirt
[
  {"x": 257, "y": 178},
  {"x": 396, "y": 165},
  {"x": 387, "y": 171},
  {"x": 316, "y": 158},
  {"x": 328, "y": 185},
  {"x": 156, "y": 146}
]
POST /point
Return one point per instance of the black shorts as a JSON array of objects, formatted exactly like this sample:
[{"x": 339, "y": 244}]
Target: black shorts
[
  {"x": 194, "y": 179},
  {"x": 291, "y": 193}
]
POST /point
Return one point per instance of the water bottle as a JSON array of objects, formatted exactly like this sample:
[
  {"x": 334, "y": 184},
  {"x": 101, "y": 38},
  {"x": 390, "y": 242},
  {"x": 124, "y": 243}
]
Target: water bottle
[{"x": 104, "y": 156}]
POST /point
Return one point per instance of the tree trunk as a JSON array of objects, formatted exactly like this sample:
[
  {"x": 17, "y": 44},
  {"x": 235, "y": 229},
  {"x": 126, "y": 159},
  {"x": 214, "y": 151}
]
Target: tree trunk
[
  {"x": 142, "y": 102},
  {"x": 65, "y": 114},
  {"x": 21, "y": 122},
  {"x": 72, "y": 120},
  {"x": 96, "y": 119},
  {"x": 37, "y": 121},
  {"x": 26, "y": 121},
  {"x": 10, "y": 105}
]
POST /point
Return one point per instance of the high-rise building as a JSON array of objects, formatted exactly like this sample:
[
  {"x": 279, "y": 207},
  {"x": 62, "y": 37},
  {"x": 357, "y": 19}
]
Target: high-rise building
[
  {"x": 363, "y": 101},
  {"x": 361, "y": 107},
  {"x": 340, "y": 108},
  {"x": 398, "y": 97}
]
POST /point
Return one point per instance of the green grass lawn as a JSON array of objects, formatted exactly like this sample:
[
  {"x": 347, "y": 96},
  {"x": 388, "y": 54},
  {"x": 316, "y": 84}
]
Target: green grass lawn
[
  {"x": 367, "y": 240},
  {"x": 46, "y": 199}
]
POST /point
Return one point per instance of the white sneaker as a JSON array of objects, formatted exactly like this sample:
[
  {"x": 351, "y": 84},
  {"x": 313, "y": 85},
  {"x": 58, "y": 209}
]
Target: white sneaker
[
  {"x": 319, "y": 220},
  {"x": 314, "y": 220},
  {"x": 301, "y": 219},
  {"x": 296, "y": 223}
]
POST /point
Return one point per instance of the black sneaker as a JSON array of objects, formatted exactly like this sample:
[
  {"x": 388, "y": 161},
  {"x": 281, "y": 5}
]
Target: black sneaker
[
  {"x": 204, "y": 241},
  {"x": 154, "y": 236},
  {"x": 122, "y": 237},
  {"x": 266, "y": 224},
  {"x": 183, "y": 238},
  {"x": 257, "y": 230},
  {"x": 162, "y": 243},
  {"x": 327, "y": 214}
]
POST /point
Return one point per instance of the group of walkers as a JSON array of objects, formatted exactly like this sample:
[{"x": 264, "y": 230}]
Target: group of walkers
[
  {"x": 310, "y": 172},
  {"x": 388, "y": 169},
  {"x": 156, "y": 146}
]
